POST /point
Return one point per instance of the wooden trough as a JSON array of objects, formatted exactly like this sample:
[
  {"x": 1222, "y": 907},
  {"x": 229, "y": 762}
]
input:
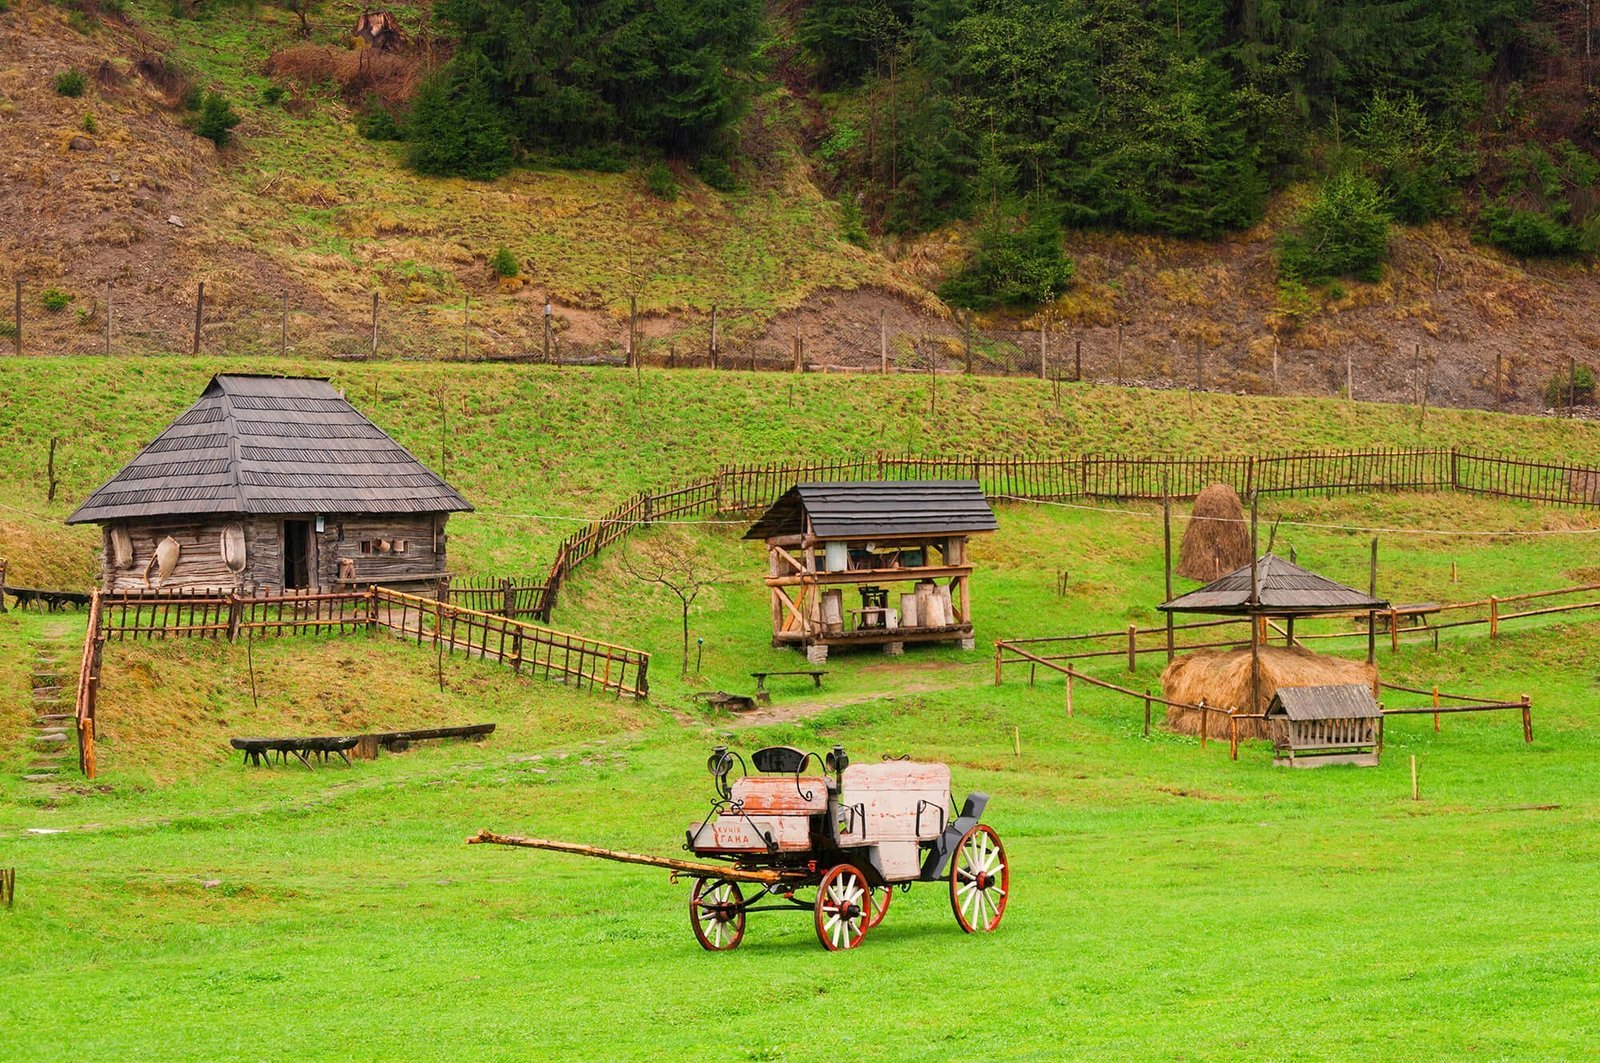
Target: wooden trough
[{"x": 1312, "y": 727}]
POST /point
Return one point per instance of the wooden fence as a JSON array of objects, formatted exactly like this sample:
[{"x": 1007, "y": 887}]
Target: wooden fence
[
  {"x": 449, "y": 628},
  {"x": 509, "y": 596},
  {"x": 741, "y": 490}
]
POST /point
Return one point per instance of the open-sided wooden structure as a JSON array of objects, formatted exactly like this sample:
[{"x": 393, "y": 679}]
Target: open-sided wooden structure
[
  {"x": 269, "y": 484},
  {"x": 826, "y": 539},
  {"x": 1266, "y": 589},
  {"x": 1315, "y": 726}
]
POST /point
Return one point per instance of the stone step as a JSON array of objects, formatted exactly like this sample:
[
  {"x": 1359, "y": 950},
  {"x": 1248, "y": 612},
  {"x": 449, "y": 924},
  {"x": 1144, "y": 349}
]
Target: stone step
[
  {"x": 53, "y": 719},
  {"x": 40, "y": 776},
  {"x": 52, "y": 738}
]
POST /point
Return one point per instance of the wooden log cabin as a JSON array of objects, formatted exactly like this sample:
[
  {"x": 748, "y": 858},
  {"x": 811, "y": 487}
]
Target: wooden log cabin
[
  {"x": 876, "y": 563},
  {"x": 270, "y": 484}
]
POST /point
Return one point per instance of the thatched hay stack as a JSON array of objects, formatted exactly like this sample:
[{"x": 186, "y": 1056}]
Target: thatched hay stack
[
  {"x": 1222, "y": 678},
  {"x": 1217, "y": 540}
]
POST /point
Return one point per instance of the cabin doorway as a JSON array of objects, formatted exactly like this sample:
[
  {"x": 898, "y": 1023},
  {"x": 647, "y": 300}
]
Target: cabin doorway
[{"x": 297, "y": 564}]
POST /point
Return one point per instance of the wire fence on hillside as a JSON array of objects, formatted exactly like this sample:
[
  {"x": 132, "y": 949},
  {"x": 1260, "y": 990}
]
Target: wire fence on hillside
[{"x": 127, "y": 319}]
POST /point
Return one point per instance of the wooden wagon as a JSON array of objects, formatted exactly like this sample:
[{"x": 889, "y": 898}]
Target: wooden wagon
[
  {"x": 1319, "y": 725},
  {"x": 835, "y": 842}
]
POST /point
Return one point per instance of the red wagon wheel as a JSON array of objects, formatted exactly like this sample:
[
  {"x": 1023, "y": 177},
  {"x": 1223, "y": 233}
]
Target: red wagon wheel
[
  {"x": 881, "y": 896},
  {"x": 844, "y": 908},
  {"x": 980, "y": 880},
  {"x": 716, "y": 912}
]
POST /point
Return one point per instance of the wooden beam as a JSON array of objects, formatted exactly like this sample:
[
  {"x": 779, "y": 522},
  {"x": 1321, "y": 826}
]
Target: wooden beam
[{"x": 871, "y": 575}]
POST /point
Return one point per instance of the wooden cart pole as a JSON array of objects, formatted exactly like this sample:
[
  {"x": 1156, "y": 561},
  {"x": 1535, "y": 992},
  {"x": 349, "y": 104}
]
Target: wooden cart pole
[
  {"x": 1372, "y": 615},
  {"x": 1166, "y": 538}
]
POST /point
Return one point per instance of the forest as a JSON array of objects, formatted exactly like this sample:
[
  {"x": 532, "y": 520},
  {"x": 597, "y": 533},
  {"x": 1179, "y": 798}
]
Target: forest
[{"x": 1026, "y": 117}]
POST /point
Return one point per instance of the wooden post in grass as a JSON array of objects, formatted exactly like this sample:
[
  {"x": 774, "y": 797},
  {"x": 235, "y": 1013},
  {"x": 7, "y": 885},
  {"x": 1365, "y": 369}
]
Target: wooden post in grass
[
  {"x": 1133, "y": 648},
  {"x": 1494, "y": 617},
  {"x": 1069, "y": 695},
  {"x": 199, "y": 313},
  {"x": 1435, "y": 710},
  {"x": 1166, "y": 542},
  {"x": 1233, "y": 737},
  {"x": 374, "y": 324},
  {"x": 883, "y": 344},
  {"x": 1372, "y": 615},
  {"x": 1204, "y": 720},
  {"x": 1016, "y": 740},
  {"x": 1147, "y": 712},
  {"x": 1415, "y": 795},
  {"x": 1527, "y": 720},
  {"x": 998, "y": 650},
  {"x": 8, "y": 885}
]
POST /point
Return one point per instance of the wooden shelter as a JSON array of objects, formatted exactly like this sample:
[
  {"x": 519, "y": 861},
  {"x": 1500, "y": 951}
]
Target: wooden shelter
[
  {"x": 1314, "y": 726},
  {"x": 268, "y": 484},
  {"x": 1269, "y": 588},
  {"x": 826, "y": 539}
]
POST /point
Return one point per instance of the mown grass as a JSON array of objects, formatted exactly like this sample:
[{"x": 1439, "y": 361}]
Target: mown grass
[{"x": 1165, "y": 896}]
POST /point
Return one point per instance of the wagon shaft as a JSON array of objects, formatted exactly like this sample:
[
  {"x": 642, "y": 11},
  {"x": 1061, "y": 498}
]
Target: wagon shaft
[{"x": 688, "y": 867}]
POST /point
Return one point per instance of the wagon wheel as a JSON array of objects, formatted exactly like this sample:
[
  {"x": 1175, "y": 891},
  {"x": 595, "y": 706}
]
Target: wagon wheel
[
  {"x": 980, "y": 880},
  {"x": 716, "y": 912},
  {"x": 881, "y": 896},
  {"x": 843, "y": 909}
]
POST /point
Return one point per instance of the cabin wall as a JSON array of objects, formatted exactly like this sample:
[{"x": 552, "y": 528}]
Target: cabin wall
[{"x": 200, "y": 566}]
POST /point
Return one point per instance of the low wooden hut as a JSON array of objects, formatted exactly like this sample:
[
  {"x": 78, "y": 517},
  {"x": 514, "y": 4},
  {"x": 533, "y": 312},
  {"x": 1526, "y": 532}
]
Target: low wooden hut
[
  {"x": 899, "y": 548},
  {"x": 1314, "y": 726},
  {"x": 268, "y": 484}
]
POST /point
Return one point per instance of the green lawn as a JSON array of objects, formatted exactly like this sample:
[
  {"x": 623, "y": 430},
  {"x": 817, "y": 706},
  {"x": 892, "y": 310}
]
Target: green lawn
[{"x": 1169, "y": 903}]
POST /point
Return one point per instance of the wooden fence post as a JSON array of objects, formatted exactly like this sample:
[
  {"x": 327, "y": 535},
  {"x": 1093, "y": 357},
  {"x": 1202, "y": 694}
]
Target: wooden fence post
[
  {"x": 199, "y": 313},
  {"x": 1043, "y": 353},
  {"x": 998, "y": 650},
  {"x": 1494, "y": 617},
  {"x": 1233, "y": 737},
  {"x": 883, "y": 344},
  {"x": 1069, "y": 695},
  {"x": 1527, "y": 719},
  {"x": 108, "y": 319},
  {"x": 713, "y": 335},
  {"x": 1436, "y": 710},
  {"x": 1205, "y": 719},
  {"x": 17, "y": 337},
  {"x": 1133, "y": 648},
  {"x": 374, "y": 323},
  {"x": 1147, "y": 712}
]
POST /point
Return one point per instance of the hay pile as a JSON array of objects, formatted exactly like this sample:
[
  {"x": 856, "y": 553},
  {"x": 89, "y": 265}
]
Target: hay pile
[
  {"x": 1222, "y": 678},
  {"x": 1217, "y": 540}
]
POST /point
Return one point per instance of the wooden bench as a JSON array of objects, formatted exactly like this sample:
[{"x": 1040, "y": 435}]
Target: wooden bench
[
  {"x": 816, "y": 675},
  {"x": 259, "y": 750}
]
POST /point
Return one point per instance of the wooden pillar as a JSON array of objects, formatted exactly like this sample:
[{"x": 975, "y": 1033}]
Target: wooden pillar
[
  {"x": 883, "y": 344},
  {"x": 1255, "y": 603},
  {"x": 1166, "y": 541},
  {"x": 1372, "y": 616}
]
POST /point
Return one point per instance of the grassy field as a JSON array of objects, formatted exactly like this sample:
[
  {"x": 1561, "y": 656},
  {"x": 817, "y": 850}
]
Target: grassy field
[{"x": 1169, "y": 903}]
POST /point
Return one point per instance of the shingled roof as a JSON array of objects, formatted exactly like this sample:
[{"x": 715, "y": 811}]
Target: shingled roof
[
  {"x": 264, "y": 444},
  {"x": 1284, "y": 588},
  {"x": 874, "y": 509},
  {"x": 1343, "y": 701}
]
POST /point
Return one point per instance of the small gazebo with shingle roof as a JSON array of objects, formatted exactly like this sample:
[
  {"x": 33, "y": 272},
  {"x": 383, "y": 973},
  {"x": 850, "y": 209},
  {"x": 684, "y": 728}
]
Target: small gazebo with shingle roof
[{"x": 272, "y": 483}]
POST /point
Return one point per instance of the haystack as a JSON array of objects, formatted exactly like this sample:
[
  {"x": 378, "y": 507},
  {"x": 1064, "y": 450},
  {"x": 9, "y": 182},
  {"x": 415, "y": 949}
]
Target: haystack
[
  {"x": 1222, "y": 678},
  {"x": 1217, "y": 540}
]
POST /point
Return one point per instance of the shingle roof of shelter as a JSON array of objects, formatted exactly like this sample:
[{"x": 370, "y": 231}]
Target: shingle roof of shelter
[
  {"x": 1344, "y": 701},
  {"x": 1284, "y": 589},
  {"x": 878, "y": 509},
  {"x": 263, "y": 444}
]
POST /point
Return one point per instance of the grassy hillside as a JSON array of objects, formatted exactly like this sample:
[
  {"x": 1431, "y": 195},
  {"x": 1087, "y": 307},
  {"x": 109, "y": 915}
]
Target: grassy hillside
[{"x": 529, "y": 445}]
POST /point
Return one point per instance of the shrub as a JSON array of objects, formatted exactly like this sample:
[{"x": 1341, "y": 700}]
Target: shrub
[
  {"x": 504, "y": 263},
  {"x": 1577, "y": 385},
  {"x": 1343, "y": 233},
  {"x": 217, "y": 120},
  {"x": 71, "y": 82},
  {"x": 1013, "y": 265},
  {"x": 55, "y": 300},
  {"x": 456, "y": 129},
  {"x": 715, "y": 171},
  {"x": 1528, "y": 233},
  {"x": 192, "y": 98},
  {"x": 89, "y": 124},
  {"x": 660, "y": 182},
  {"x": 377, "y": 122},
  {"x": 272, "y": 95},
  {"x": 1416, "y": 161}
]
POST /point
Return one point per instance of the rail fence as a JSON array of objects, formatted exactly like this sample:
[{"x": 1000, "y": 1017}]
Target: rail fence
[
  {"x": 449, "y": 628},
  {"x": 742, "y": 489},
  {"x": 113, "y": 316},
  {"x": 508, "y": 596}
]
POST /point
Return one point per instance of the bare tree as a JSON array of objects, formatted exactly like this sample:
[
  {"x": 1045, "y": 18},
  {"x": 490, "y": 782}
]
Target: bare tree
[{"x": 682, "y": 563}]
